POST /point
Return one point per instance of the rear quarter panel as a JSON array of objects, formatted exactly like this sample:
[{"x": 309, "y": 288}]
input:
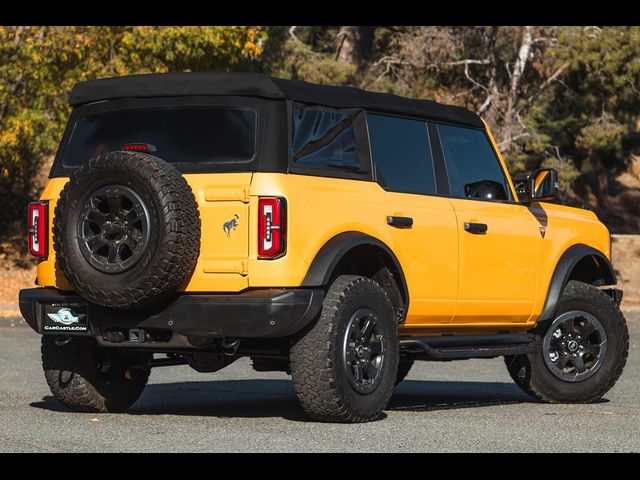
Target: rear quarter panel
[{"x": 318, "y": 209}]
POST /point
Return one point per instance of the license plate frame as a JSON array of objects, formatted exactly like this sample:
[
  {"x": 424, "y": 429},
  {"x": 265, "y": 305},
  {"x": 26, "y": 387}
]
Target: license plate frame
[{"x": 68, "y": 318}]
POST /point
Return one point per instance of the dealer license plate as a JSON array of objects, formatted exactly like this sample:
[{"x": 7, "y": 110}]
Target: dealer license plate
[{"x": 65, "y": 317}]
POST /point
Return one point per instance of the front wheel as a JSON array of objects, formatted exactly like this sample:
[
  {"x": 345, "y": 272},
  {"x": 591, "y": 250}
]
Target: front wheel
[
  {"x": 87, "y": 378},
  {"x": 345, "y": 367},
  {"x": 584, "y": 349}
]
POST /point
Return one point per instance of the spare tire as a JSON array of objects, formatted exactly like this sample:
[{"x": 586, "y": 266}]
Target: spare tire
[{"x": 126, "y": 230}]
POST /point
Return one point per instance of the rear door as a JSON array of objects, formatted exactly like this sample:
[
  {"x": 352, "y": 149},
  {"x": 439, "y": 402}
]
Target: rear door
[
  {"x": 223, "y": 201},
  {"x": 212, "y": 141},
  {"x": 428, "y": 249},
  {"x": 498, "y": 238}
]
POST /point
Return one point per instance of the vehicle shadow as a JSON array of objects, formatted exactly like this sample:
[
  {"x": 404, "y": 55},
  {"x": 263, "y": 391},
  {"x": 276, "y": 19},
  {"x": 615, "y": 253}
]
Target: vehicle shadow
[
  {"x": 421, "y": 396},
  {"x": 254, "y": 398}
]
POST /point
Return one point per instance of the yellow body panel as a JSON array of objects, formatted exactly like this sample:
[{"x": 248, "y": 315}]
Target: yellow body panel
[
  {"x": 457, "y": 281},
  {"x": 498, "y": 270}
]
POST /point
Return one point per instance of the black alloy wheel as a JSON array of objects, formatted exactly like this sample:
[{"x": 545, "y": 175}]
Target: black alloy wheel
[
  {"x": 364, "y": 351},
  {"x": 113, "y": 231},
  {"x": 575, "y": 346}
]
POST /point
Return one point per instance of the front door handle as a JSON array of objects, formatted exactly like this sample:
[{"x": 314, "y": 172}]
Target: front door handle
[
  {"x": 400, "y": 222},
  {"x": 475, "y": 227}
]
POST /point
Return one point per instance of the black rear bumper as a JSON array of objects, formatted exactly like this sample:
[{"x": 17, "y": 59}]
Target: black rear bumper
[{"x": 272, "y": 313}]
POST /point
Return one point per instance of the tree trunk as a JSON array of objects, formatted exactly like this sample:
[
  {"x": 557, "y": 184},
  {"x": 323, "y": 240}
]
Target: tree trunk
[
  {"x": 601, "y": 181},
  {"x": 354, "y": 44},
  {"x": 510, "y": 117},
  {"x": 488, "y": 109}
]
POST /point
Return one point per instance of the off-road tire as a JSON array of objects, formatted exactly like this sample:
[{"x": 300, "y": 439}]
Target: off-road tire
[
  {"x": 316, "y": 357},
  {"x": 174, "y": 232},
  {"x": 531, "y": 373},
  {"x": 404, "y": 367},
  {"x": 75, "y": 380}
]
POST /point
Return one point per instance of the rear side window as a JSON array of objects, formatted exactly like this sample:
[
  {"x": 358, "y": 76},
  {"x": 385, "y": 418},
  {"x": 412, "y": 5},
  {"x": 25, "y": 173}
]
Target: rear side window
[
  {"x": 473, "y": 167},
  {"x": 324, "y": 138},
  {"x": 401, "y": 154},
  {"x": 179, "y": 134}
]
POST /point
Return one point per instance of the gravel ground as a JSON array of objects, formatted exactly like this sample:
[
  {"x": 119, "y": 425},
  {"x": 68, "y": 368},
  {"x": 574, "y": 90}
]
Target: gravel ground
[{"x": 468, "y": 406}]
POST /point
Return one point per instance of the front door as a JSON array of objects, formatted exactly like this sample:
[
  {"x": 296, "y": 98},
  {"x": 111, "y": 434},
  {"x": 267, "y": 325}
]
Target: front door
[
  {"x": 498, "y": 267},
  {"x": 498, "y": 238}
]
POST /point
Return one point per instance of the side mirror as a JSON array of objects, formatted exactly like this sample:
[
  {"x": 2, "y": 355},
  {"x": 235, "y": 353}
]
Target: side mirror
[
  {"x": 541, "y": 185},
  {"x": 544, "y": 184}
]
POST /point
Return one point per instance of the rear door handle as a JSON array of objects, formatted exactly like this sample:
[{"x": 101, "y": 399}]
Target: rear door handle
[
  {"x": 475, "y": 227},
  {"x": 400, "y": 222}
]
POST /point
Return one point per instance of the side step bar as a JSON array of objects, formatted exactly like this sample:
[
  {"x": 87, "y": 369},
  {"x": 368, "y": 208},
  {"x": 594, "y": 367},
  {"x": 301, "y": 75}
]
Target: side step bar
[{"x": 459, "y": 347}]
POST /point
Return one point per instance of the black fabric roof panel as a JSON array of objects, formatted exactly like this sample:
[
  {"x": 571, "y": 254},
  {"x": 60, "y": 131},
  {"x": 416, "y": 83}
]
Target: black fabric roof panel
[{"x": 260, "y": 85}]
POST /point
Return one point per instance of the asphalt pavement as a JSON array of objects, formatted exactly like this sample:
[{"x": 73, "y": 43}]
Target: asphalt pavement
[{"x": 465, "y": 406}]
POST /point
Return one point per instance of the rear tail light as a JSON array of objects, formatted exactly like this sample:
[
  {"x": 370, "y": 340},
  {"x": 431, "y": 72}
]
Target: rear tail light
[
  {"x": 271, "y": 227},
  {"x": 38, "y": 234}
]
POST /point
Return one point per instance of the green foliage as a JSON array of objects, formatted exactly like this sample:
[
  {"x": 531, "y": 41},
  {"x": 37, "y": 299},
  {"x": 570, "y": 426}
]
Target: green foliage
[
  {"x": 301, "y": 62},
  {"x": 153, "y": 49},
  {"x": 592, "y": 115},
  {"x": 39, "y": 66}
]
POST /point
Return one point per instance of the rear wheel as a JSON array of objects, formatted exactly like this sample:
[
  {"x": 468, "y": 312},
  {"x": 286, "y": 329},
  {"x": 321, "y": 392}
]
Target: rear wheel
[
  {"x": 584, "y": 349},
  {"x": 344, "y": 368},
  {"x": 87, "y": 378}
]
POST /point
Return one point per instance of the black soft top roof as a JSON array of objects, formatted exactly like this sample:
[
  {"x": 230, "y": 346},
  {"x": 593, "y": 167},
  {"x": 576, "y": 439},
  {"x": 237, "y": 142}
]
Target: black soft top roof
[{"x": 260, "y": 85}]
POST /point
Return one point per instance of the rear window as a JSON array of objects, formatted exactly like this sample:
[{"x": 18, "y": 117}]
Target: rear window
[
  {"x": 179, "y": 134},
  {"x": 401, "y": 153}
]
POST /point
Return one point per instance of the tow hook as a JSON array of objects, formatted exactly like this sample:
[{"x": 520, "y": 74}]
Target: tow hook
[
  {"x": 230, "y": 346},
  {"x": 62, "y": 341}
]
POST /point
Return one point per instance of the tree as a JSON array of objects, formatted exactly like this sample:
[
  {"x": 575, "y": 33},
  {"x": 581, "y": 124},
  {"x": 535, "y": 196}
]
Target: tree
[
  {"x": 39, "y": 65},
  {"x": 354, "y": 44},
  {"x": 308, "y": 54},
  {"x": 499, "y": 72},
  {"x": 593, "y": 114}
]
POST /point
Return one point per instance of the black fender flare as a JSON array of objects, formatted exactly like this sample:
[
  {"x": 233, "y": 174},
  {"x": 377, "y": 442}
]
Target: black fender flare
[
  {"x": 562, "y": 273},
  {"x": 334, "y": 250}
]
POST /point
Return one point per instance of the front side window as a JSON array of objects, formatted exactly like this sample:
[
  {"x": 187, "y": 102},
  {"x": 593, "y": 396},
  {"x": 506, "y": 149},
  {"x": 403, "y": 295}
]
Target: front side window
[
  {"x": 401, "y": 154},
  {"x": 324, "y": 138},
  {"x": 473, "y": 167},
  {"x": 213, "y": 134}
]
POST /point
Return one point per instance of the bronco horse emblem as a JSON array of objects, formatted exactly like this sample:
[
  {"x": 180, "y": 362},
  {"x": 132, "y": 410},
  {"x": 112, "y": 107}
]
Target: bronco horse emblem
[{"x": 233, "y": 223}]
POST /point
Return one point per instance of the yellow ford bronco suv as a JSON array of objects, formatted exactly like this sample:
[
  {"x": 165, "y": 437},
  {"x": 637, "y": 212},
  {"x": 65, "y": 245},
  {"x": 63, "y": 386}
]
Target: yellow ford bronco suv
[{"x": 332, "y": 233}]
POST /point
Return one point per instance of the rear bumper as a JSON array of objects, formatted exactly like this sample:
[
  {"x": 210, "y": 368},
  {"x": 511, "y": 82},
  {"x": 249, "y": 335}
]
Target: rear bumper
[{"x": 273, "y": 313}]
